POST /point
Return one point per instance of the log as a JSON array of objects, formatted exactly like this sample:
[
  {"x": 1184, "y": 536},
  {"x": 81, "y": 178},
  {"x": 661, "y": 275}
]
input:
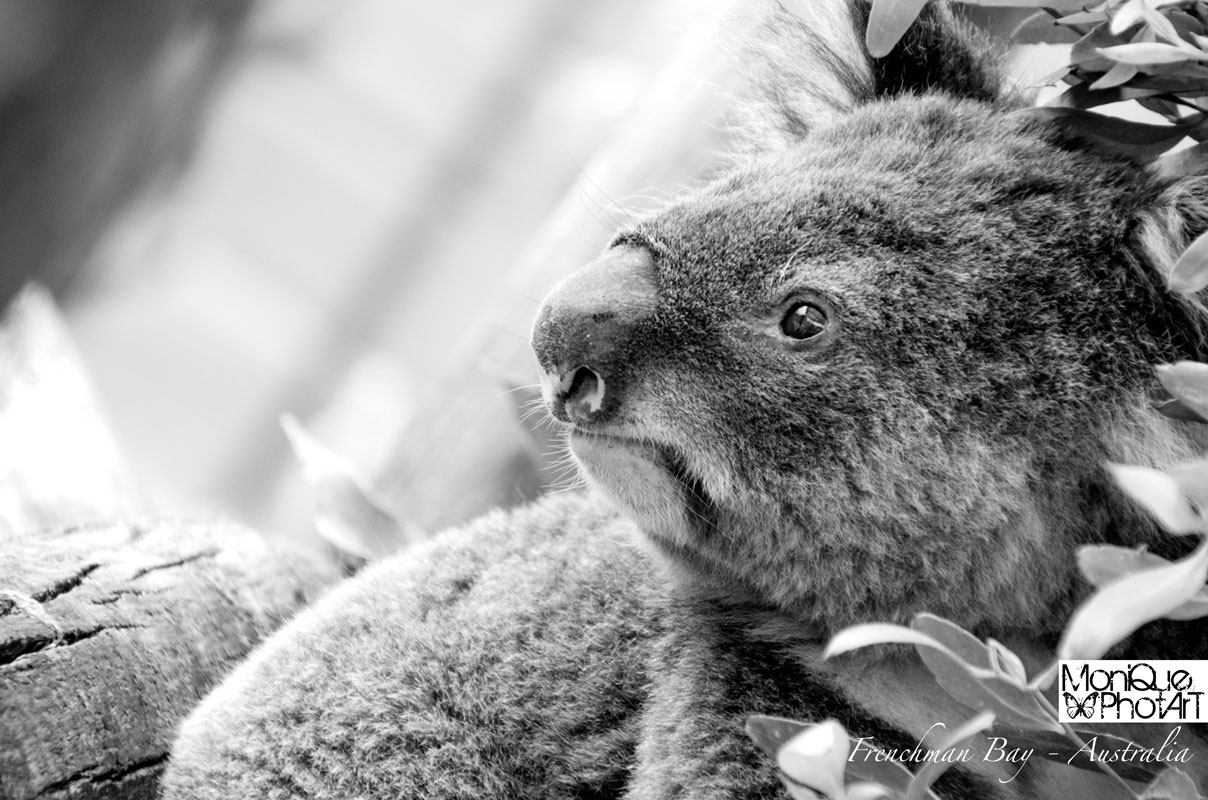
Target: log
[{"x": 111, "y": 633}]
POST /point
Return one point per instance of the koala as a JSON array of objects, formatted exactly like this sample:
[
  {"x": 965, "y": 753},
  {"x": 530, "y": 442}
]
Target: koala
[{"x": 872, "y": 370}]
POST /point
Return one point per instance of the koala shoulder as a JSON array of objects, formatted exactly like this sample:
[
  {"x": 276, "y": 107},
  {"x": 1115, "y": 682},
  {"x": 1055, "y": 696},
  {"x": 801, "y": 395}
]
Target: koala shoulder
[
  {"x": 505, "y": 659},
  {"x": 535, "y": 653}
]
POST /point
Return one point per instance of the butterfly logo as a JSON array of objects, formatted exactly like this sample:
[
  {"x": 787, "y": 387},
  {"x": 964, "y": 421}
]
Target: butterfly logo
[{"x": 1084, "y": 708}]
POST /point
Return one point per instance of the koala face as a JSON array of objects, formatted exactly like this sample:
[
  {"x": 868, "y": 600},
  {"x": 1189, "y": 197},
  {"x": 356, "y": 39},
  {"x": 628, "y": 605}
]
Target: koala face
[{"x": 870, "y": 374}]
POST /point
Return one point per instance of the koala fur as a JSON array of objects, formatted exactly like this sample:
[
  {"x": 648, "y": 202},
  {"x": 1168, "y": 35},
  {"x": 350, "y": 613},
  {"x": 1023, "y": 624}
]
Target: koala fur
[{"x": 993, "y": 295}]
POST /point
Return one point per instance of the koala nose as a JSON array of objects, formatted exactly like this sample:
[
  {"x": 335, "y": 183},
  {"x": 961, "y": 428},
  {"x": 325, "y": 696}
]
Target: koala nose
[{"x": 587, "y": 332}]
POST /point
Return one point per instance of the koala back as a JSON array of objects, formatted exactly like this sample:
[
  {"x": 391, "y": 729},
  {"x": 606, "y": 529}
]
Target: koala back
[
  {"x": 534, "y": 653},
  {"x": 456, "y": 671}
]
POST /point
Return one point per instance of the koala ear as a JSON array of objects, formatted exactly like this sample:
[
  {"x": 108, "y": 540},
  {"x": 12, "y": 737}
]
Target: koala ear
[
  {"x": 810, "y": 64},
  {"x": 940, "y": 52}
]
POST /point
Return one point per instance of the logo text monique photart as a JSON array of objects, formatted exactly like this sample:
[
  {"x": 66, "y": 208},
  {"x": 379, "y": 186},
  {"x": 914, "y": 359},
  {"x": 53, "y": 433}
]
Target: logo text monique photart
[{"x": 1132, "y": 691}]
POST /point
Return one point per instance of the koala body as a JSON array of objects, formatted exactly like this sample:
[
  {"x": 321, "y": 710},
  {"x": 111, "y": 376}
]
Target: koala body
[
  {"x": 536, "y": 653},
  {"x": 871, "y": 371}
]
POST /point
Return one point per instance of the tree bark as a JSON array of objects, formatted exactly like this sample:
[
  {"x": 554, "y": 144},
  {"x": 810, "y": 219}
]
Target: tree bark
[{"x": 110, "y": 634}]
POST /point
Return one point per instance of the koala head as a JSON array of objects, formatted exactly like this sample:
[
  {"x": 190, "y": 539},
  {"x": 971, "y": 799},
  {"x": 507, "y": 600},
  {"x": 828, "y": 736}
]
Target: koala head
[{"x": 875, "y": 368}]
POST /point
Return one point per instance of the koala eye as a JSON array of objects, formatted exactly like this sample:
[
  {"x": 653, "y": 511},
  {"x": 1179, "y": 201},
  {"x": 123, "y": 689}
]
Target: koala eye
[{"x": 803, "y": 321}]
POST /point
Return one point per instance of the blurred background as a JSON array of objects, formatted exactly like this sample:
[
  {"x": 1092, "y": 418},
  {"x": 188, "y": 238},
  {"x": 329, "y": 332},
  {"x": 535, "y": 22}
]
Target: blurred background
[
  {"x": 344, "y": 210},
  {"x": 347, "y": 211}
]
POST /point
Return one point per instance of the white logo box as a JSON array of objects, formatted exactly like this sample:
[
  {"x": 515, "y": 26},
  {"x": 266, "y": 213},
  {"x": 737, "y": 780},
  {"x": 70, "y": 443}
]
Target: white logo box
[{"x": 1132, "y": 691}]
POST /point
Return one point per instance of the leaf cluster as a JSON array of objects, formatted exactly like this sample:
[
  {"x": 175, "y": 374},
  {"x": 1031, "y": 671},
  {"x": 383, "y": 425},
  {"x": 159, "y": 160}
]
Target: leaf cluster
[
  {"x": 1154, "y": 52},
  {"x": 985, "y": 677}
]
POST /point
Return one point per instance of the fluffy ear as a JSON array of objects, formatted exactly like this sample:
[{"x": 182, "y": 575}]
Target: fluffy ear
[
  {"x": 940, "y": 52},
  {"x": 810, "y": 64}
]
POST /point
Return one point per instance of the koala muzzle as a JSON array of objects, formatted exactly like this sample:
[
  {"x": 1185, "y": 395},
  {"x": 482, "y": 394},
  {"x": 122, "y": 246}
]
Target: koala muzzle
[{"x": 588, "y": 331}]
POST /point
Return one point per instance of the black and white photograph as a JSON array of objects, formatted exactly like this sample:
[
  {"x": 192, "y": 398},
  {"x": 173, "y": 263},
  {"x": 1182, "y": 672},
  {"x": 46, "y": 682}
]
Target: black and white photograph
[{"x": 614, "y": 400}]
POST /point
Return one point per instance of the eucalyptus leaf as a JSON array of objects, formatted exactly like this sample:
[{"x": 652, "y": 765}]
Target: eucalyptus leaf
[
  {"x": 1192, "y": 479},
  {"x": 973, "y": 673},
  {"x": 1083, "y": 97},
  {"x": 1187, "y": 80},
  {"x": 887, "y": 22},
  {"x": 1117, "y": 75},
  {"x": 962, "y": 643},
  {"x": 348, "y": 513},
  {"x": 965, "y": 673},
  {"x": 817, "y": 757},
  {"x": 1193, "y": 70},
  {"x": 1041, "y": 28},
  {"x": 1085, "y": 53},
  {"x": 866, "y": 790},
  {"x": 874, "y": 765},
  {"x": 1103, "y": 563},
  {"x": 934, "y": 769},
  {"x": 1175, "y": 409},
  {"x": 1006, "y": 664},
  {"x": 1060, "y": 74},
  {"x": 1125, "y": 17},
  {"x": 982, "y": 690},
  {"x": 1188, "y": 382},
  {"x": 858, "y": 636},
  {"x": 1160, "y": 495},
  {"x": 1139, "y": 141},
  {"x": 1044, "y": 679},
  {"x": 1190, "y": 273},
  {"x": 1182, "y": 164},
  {"x": 1185, "y": 24},
  {"x": 1057, "y": 5},
  {"x": 1091, "y": 17},
  {"x": 1144, "y": 53},
  {"x": 1161, "y": 25},
  {"x": 1169, "y": 109},
  {"x": 770, "y": 733},
  {"x": 1116, "y": 610},
  {"x": 1195, "y": 608}
]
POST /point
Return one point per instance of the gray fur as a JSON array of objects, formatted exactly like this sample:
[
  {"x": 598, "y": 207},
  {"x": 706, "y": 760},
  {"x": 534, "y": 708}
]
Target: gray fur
[{"x": 996, "y": 299}]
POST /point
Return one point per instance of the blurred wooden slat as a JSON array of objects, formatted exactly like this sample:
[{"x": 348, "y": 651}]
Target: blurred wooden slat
[
  {"x": 469, "y": 448},
  {"x": 99, "y": 102},
  {"x": 361, "y": 195},
  {"x": 476, "y": 136}
]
